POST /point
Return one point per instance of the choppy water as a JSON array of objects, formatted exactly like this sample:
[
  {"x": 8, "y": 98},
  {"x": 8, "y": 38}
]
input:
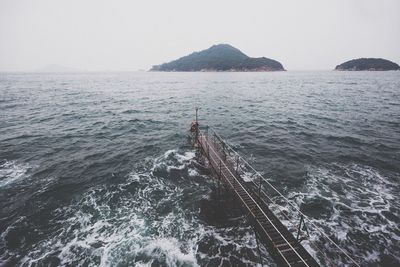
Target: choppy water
[{"x": 96, "y": 168}]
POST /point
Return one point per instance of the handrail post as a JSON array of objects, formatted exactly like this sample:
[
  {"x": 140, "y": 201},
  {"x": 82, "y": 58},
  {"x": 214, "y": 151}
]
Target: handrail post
[
  {"x": 207, "y": 140},
  {"x": 298, "y": 231},
  {"x": 224, "y": 150},
  {"x": 220, "y": 169},
  {"x": 237, "y": 164},
  {"x": 208, "y": 149}
]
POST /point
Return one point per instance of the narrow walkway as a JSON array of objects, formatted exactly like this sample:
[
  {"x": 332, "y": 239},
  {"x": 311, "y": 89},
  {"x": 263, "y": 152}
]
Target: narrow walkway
[{"x": 283, "y": 247}]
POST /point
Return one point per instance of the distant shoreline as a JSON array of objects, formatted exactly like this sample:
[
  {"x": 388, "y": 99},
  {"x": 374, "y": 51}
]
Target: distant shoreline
[{"x": 205, "y": 71}]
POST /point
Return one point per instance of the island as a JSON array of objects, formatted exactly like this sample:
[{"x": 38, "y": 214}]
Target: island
[
  {"x": 221, "y": 57},
  {"x": 370, "y": 64}
]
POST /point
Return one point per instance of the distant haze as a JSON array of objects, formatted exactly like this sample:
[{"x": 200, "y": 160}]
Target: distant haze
[{"x": 131, "y": 35}]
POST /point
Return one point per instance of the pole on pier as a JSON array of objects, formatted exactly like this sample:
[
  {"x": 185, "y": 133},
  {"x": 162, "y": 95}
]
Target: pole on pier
[
  {"x": 194, "y": 129},
  {"x": 197, "y": 123}
]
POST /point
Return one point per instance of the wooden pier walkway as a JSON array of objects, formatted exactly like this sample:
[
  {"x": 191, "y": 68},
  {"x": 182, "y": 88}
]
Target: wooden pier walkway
[{"x": 282, "y": 245}]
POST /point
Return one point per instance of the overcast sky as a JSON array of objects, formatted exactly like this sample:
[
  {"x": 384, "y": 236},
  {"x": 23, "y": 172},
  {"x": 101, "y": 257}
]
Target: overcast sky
[{"x": 131, "y": 35}]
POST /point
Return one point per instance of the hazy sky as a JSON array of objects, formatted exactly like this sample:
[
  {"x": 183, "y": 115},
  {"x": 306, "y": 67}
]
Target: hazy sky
[{"x": 132, "y": 35}]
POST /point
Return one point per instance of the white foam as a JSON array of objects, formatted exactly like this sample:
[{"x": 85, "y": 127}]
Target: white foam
[
  {"x": 121, "y": 230},
  {"x": 173, "y": 160},
  {"x": 187, "y": 156},
  {"x": 358, "y": 194},
  {"x": 11, "y": 172},
  {"x": 118, "y": 225},
  {"x": 248, "y": 176},
  {"x": 193, "y": 172},
  {"x": 169, "y": 248}
]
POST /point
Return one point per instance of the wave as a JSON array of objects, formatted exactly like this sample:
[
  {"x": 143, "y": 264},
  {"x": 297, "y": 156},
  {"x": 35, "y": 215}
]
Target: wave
[
  {"x": 11, "y": 172},
  {"x": 152, "y": 218},
  {"x": 357, "y": 206},
  {"x": 123, "y": 223}
]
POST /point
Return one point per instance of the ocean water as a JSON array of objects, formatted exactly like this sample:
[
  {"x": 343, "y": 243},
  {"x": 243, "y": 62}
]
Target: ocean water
[{"x": 96, "y": 168}]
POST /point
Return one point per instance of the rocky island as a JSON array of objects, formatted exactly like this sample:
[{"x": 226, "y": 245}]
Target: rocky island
[
  {"x": 222, "y": 57},
  {"x": 371, "y": 64}
]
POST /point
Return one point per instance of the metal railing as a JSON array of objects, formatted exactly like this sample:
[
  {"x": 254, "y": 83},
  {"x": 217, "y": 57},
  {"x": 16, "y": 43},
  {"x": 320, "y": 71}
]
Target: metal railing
[
  {"x": 239, "y": 183},
  {"x": 289, "y": 213}
]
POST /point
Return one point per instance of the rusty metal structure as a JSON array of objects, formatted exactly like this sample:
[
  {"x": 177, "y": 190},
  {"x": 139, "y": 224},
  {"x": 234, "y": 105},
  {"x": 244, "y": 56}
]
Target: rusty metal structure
[{"x": 258, "y": 198}]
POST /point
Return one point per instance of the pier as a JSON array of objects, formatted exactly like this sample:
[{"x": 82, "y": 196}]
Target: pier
[{"x": 270, "y": 231}]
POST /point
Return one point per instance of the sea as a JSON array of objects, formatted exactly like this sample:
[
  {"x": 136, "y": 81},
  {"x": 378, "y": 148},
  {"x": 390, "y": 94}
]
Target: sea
[{"x": 97, "y": 169}]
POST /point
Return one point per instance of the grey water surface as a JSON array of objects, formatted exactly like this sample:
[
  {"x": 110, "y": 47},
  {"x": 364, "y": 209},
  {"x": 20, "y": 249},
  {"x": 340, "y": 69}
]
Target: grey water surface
[{"x": 96, "y": 168}]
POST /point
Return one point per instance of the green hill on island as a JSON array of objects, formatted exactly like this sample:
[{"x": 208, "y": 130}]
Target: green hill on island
[
  {"x": 371, "y": 64},
  {"x": 222, "y": 57}
]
